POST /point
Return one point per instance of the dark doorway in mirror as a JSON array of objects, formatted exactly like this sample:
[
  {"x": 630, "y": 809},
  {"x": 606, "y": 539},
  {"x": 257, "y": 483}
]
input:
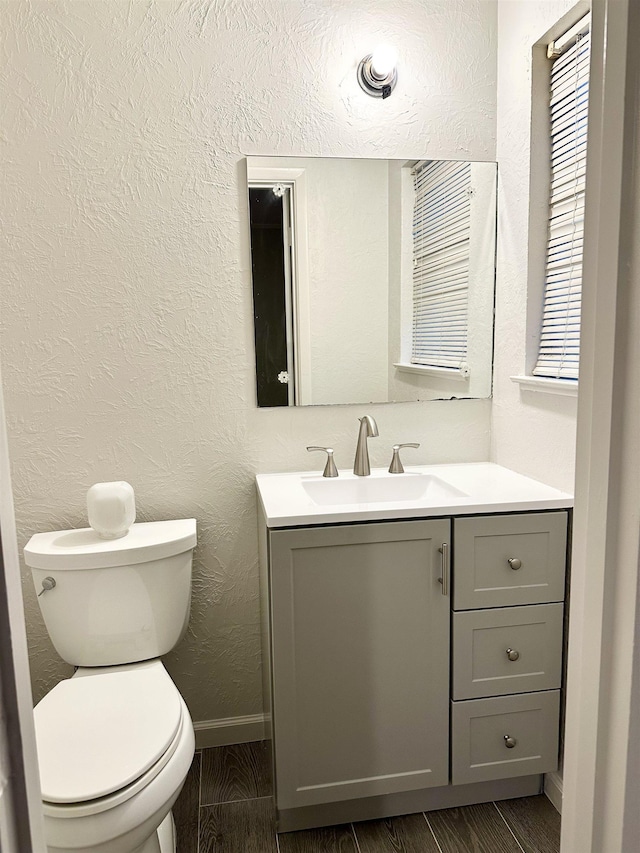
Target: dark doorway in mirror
[{"x": 269, "y": 247}]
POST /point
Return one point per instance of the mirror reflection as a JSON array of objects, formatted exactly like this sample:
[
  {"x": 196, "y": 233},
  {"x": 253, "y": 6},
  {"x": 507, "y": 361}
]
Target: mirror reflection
[{"x": 373, "y": 280}]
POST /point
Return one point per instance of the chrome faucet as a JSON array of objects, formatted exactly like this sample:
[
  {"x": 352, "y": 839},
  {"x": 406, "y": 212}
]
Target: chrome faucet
[{"x": 368, "y": 429}]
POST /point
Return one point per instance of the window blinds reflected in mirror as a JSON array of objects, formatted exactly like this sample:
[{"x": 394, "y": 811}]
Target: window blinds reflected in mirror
[{"x": 441, "y": 230}]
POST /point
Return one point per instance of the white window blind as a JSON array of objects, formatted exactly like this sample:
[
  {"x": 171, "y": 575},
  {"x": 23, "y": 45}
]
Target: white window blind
[
  {"x": 560, "y": 332},
  {"x": 441, "y": 218}
]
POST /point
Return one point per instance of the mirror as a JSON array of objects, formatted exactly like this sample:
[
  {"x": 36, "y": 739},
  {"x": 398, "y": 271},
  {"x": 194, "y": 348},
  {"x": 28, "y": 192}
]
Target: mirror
[{"x": 373, "y": 280}]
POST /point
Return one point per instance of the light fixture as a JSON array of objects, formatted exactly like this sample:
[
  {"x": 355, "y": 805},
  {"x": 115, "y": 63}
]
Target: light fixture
[{"x": 377, "y": 72}]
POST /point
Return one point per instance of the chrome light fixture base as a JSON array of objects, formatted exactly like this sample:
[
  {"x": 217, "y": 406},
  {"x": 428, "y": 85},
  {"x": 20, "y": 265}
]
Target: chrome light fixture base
[{"x": 371, "y": 83}]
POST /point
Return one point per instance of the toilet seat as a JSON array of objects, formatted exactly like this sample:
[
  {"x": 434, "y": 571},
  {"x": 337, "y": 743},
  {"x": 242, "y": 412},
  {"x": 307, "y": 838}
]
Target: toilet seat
[
  {"x": 93, "y": 807},
  {"x": 104, "y": 737}
]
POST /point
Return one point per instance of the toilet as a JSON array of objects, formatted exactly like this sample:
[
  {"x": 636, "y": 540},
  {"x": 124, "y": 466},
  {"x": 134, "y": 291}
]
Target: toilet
[{"x": 115, "y": 741}]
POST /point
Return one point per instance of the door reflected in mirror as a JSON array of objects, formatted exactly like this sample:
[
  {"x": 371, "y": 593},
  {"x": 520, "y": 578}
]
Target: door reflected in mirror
[{"x": 373, "y": 280}]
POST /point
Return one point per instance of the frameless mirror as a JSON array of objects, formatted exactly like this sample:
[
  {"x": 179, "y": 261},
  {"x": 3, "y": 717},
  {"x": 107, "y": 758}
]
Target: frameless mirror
[{"x": 373, "y": 280}]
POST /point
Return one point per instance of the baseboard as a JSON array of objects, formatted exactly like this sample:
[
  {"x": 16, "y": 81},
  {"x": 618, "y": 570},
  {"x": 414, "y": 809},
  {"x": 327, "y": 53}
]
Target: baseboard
[
  {"x": 229, "y": 730},
  {"x": 553, "y": 789}
]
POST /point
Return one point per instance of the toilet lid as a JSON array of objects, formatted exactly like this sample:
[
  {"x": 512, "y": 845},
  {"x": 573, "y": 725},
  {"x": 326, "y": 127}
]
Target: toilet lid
[
  {"x": 99, "y": 733},
  {"x": 65, "y": 550}
]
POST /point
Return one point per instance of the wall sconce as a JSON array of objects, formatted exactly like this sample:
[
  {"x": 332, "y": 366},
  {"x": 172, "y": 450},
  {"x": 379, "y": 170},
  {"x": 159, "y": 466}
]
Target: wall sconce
[{"x": 377, "y": 72}]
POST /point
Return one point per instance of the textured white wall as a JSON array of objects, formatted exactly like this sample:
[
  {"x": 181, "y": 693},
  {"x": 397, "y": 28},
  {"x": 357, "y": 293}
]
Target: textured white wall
[
  {"x": 532, "y": 432},
  {"x": 126, "y": 300}
]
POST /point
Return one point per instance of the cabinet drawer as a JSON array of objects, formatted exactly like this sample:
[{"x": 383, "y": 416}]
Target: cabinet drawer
[
  {"x": 506, "y": 560},
  {"x": 480, "y": 729},
  {"x": 485, "y": 643}
]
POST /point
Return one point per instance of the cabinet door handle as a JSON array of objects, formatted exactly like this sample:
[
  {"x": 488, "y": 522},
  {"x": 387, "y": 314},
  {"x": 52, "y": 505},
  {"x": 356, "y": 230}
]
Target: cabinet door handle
[
  {"x": 444, "y": 580},
  {"x": 512, "y": 654},
  {"x": 509, "y": 741},
  {"x": 515, "y": 563}
]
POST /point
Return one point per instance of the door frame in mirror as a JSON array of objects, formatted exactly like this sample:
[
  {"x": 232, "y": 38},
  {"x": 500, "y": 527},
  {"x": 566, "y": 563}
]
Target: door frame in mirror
[{"x": 295, "y": 180}]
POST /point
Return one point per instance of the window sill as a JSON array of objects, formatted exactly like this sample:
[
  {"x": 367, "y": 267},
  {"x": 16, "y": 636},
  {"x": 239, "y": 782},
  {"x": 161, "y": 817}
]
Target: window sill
[
  {"x": 425, "y": 370},
  {"x": 564, "y": 387}
]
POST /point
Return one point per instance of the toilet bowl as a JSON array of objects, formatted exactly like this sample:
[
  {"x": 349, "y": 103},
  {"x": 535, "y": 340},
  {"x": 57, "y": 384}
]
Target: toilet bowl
[
  {"x": 114, "y": 746},
  {"x": 115, "y": 741}
]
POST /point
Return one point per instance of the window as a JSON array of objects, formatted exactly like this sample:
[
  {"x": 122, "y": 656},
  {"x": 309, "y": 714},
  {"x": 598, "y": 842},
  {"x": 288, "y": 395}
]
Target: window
[
  {"x": 441, "y": 229},
  {"x": 559, "y": 349}
]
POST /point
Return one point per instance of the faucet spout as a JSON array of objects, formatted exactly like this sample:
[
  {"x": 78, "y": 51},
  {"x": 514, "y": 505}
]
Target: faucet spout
[{"x": 368, "y": 429}]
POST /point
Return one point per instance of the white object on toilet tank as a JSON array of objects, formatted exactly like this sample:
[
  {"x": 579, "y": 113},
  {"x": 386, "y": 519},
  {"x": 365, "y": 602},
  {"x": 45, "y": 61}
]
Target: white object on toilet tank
[{"x": 111, "y": 508}]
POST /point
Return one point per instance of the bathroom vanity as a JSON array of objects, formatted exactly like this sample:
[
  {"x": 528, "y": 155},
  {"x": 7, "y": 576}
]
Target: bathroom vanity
[{"x": 412, "y": 638}]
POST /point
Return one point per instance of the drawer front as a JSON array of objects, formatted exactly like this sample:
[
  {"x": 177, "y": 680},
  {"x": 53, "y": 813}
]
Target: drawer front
[
  {"x": 506, "y": 560},
  {"x": 511, "y": 650},
  {"x": 504, "y": 737}
]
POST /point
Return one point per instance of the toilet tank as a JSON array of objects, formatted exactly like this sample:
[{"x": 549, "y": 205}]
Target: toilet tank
[{"x": 114, "y": 601}]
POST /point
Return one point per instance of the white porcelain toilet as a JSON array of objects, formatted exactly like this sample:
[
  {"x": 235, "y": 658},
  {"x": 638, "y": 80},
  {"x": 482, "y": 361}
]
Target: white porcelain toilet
[{"x": 115, "y": 741}]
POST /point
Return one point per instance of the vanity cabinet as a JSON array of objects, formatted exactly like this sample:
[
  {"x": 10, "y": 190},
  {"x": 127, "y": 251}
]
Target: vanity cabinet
[
  {"x": 360, "y": 660},
  {"x": 405, "y": 676}
]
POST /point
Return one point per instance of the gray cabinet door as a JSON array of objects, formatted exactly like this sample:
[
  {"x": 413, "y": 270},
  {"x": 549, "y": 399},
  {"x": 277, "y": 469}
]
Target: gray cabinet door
[
  {"x": 360, "y": 651},
  {"x": 505, "y": 560},
  {"x": 510, "y": 650}
]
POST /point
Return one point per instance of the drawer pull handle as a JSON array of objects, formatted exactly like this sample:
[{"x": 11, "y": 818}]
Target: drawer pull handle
[
  {"x": 515, "y": 563},
  {"x": 444, "y": 580},
  {"x": 512, "y": 654},
  {"x": 509, "y": 741}
]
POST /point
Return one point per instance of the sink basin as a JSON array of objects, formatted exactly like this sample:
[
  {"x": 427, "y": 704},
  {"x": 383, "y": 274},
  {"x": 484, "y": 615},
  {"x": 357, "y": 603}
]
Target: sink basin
[
  {"x": 378, "y": 489},
  {"x": 425, "y": 491}
]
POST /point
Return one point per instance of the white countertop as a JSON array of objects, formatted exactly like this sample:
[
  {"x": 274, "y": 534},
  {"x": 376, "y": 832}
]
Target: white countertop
[{"x": 487, "y": 488}]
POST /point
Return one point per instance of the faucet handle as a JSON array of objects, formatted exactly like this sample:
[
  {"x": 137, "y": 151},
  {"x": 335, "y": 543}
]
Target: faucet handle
[
  {"x": 330, "y": 469},
  {"x": 396, "y": 464}
]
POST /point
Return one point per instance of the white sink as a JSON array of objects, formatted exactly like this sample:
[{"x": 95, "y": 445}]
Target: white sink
[
  {"x": 376, "y": 489},
  {"x": 424, "y": 491}
]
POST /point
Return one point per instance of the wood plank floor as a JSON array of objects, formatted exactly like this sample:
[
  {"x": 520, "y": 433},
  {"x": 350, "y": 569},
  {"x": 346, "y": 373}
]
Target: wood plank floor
[{"x": 226, "y": 807}]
